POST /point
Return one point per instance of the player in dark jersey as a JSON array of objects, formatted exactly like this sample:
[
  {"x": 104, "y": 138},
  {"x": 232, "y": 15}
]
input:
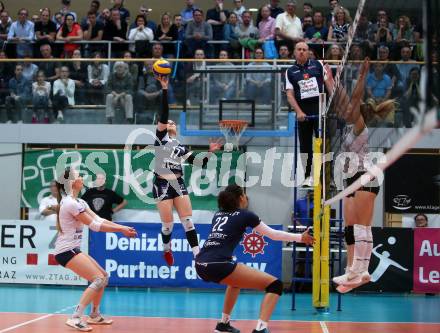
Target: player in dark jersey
[
  {"x": 169, "y": 187},
  {"x": 214, "y": 263}
]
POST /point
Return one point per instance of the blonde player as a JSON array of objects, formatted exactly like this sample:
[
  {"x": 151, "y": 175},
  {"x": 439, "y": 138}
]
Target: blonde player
[
  {"x": 73, "y": 214},
  {"x": 358, "y": 206}
]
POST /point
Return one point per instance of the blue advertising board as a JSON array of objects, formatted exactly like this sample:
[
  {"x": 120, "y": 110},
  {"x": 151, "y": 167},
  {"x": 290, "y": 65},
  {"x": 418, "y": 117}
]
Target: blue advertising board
[{"x": 139, "y": 262}]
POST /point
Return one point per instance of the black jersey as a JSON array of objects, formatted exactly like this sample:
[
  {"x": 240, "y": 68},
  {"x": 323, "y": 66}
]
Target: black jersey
[
  {"x": 169, "y": 154},
  {"x": 227, "y": 230}
]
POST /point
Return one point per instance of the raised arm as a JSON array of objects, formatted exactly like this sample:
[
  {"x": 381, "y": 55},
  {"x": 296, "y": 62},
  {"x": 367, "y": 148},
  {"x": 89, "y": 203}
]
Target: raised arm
[{"x": 162, "y": 125}]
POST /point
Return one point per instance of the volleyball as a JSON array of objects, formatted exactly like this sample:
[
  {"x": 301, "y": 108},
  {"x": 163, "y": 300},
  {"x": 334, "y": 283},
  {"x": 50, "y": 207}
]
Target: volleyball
[{"x": 162, "y": 67}]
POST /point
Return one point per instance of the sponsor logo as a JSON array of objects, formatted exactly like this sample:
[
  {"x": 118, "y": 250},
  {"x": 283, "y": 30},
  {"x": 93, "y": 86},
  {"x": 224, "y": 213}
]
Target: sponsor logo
[
  {"x": 402, "y": 202},
  {"x": 253, "y": 244}
]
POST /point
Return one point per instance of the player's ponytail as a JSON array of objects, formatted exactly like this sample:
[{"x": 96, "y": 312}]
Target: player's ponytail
[
  {"x": 60, "y": 191},
  {"x": 371, "y": 110},
  {"x": 229, "y": 199}
]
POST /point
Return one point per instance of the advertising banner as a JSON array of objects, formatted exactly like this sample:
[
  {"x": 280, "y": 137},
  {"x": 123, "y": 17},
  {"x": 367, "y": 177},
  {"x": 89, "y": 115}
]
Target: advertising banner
[
  {"x": 129, "y": 173},
  {"x": 27, "y": 254},
  {"x": 426, "y": 260},
  {"x": 139, "y": 262}
]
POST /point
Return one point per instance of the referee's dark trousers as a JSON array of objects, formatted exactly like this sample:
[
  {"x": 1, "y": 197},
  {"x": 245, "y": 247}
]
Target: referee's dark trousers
[{"x": 306, "y": 130}]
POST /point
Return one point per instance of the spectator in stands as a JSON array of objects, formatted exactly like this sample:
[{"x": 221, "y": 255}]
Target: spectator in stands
[
  {"x": 20, "y": 94},
  {"x": 143, "y": 10},
  {"x": 217, "y": 17},
  {"x": 382, "y": 15},
  {"x": 412, "y": 96},
  {"x": 379, "y": 84},
  {"x": 5, "y": 25},
  {"x": 22, "y": 32},
  {"x": 392, "y": 71},
  {"x": 404, "y": 68},
  {"x": 105, "y": 16},
  {"x": 167, "y": 32},
  {"x": 116, "y": 30},
  {"x": 383, "y": 34},
  {"x": 35, "y": 18},
  {"x": 78, "y": 73},
  {"x": 356, "y": 53},
  {"x": 338, "y": 31},
  {"x": 6, "y": 72},
  {"x": 194, "y": 81},
  {"x": 403, "y": 31},
  {"x": 187, "y": 12},
  {"x": 275, "y": 8},
  {"x": 148, "y": 92},
  {"x": 318, "y": 32},
  {"x": 258, "y": 85},
  {"x": 308, "y": 9},
  {"x": 101, "y": 199},
  {"x": 69, "y": 32},
  {"x": 364, "y": 34},
  {"x": 224, "y": 84},
  {"x": 48, "y": 207},
  {"x": 266, "y": 27},
  {"x": 45, "y": 29},
  {"x": 140, "y": 33},
  {"x": 288, "y": 27},
  {"x": 197, "y": 33},
  {"x": 29, "y": 69},
  {"x": 421, "y": 220},
  {"x": 124, "y": 12},
  {"x": 133, "y": 69},
  {"x": 284, "y": 54},
  {"x": 330, "y": 18},
  {"x": 247, "y": 33},
  {"x": 98, "y": 73},
  {"x": 93, "y": 31},
  {"x": 307, "y": 22},
  {"x": 63, "y": 93},
  {"x": 65, "y": 9},
  {"x": 119, "y": 92},
  {"x": 335, "y": 52},
  {"x": 58, "y": 19},
  {"x": 238, "y": 9},
  {"x": 40, "y": 98},
  {"x": 94, "y": 8},
  {"x": 179, "y": 26},
  {"x": 229, "y": 34},
  {"x": 51, "y": 69}
]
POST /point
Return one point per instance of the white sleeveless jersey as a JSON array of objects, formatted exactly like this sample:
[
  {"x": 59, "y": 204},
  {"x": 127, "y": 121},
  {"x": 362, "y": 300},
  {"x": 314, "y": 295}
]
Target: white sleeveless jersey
[
  {"x": 358, "y": 144},
  {"x": 72, "y": 229}
]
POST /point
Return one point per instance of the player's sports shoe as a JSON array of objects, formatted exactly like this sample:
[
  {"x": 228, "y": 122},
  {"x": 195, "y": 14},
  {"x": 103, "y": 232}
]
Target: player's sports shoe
[
  {"x": 361, "y": 279},
  {"x": 341, "y": 279},
  {"x": 222, "y": 327},
  {"x": 78, "y": 324},
  {"x": 264, "y": 330},
  {"x": 168, "y": 256},
  {"x": 99, "y": 320},
  {"x": 308, "y": 182}
]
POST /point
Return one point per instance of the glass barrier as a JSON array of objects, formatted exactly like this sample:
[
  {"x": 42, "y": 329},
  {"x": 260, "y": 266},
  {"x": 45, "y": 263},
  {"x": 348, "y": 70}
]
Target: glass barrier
[{"x": 125, "y": 91}]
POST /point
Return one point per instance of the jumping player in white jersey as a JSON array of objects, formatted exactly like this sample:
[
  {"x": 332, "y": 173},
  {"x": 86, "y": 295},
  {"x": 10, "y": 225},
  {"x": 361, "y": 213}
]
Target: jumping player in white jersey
[
  {"x": 214, "y": 262},
  {"x": 358, "y": 206},
  {"x": 73, "y": 214},
  {"x": 169, "y": 188}
]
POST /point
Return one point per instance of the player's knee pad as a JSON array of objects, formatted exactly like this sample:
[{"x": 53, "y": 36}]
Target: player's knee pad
[
  {"x": 167, "y": 228},
  {"x": 187, "y": 223},
  {"x": 276, "y": 287},
  {"x": 349, "y": 235},
  {"x": 98, "y": 283}
]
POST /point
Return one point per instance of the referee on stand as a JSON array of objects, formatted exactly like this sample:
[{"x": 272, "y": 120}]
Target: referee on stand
[{"x": 304, "y": 83}]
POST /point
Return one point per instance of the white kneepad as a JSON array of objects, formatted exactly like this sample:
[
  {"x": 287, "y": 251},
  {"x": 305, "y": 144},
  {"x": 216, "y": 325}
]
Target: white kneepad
[{"x": 187, "y": 223}]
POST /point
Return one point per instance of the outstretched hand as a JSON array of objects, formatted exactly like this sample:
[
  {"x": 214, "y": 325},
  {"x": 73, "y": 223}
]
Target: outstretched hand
[
  {"x": 163, "y": 79},
  {"x": 306, "y": 238},
  {"x": 129, "y": 232},
  {"x": 215, "y": 145},
  {"x": 365, "y": 68}
]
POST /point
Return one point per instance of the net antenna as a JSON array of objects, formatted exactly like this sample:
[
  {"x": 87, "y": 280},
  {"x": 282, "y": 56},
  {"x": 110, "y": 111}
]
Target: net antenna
[{"x": 232, "y": 131}]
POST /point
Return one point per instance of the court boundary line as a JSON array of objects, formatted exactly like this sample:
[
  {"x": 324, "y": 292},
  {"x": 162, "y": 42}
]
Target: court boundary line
[
  {"x": 58, "y": 313},
  {"x": 10, "y": 328},
  {"x": 324, "y": 327}
]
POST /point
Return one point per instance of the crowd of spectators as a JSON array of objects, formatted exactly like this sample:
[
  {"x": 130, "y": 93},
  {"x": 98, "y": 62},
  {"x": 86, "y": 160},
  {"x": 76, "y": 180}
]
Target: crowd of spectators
[{"x": 227, "y": 30}]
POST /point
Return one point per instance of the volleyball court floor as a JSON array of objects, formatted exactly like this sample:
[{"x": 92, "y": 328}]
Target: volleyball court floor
[{"x": 41, "y": 309}]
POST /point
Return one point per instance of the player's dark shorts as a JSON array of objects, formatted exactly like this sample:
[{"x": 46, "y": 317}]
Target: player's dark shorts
[
  {"x": 65, "y": 257},
  {"x": 215, "y": 271},
  {"x": 365, "y": 188},
  {"x": 164, "y": 189}
]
